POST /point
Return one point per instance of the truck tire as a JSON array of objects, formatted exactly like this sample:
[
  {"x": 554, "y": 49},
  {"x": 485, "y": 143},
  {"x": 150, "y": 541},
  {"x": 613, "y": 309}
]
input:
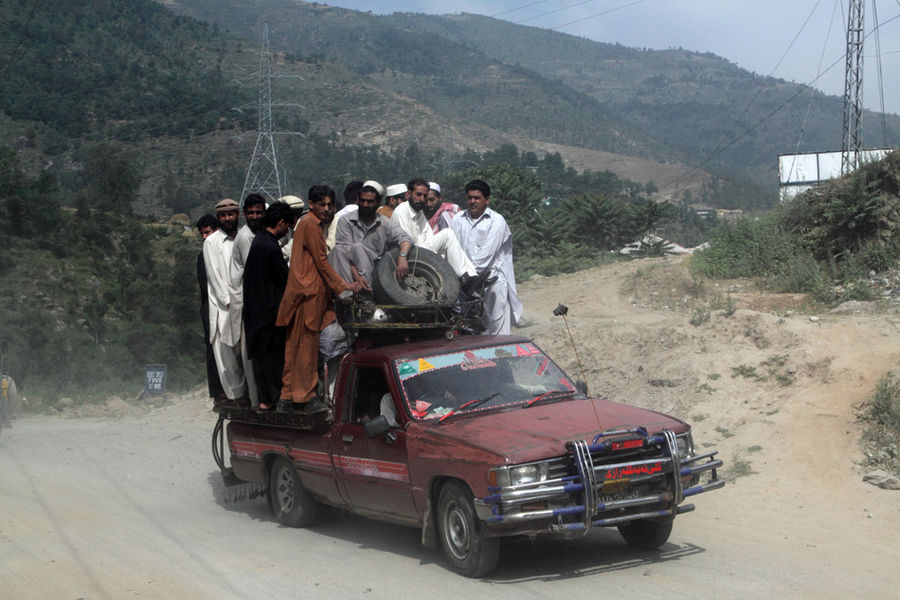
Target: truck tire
[
  {"x": 469, "y": 550},
  {"x": 291, "y": 504},
  {"x": 431, "y": 279},
  {"x": 647, "y": 534}
]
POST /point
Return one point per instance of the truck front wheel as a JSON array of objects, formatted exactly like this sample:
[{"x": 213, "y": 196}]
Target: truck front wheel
[
  {"x": 290, "y": 502},
  {"x": 647, "y": 534},
  {"x": 469, "y": 550}
]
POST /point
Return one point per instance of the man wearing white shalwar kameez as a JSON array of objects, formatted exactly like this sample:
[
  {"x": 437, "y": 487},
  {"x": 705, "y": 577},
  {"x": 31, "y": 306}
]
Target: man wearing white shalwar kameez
[
  {"x": 485, "y": 237},
  {"x": 411, "y": 218},
  {"x": 224, "y": 323},
  {"x": 254, "y": 211}
]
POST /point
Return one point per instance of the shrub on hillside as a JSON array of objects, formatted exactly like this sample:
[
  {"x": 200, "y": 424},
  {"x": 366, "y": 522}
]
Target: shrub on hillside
[{"x": 748, "y": 248}]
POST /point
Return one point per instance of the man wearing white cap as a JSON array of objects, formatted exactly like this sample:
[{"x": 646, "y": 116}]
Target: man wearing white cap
[
  {"x": 438, "y": 212},
  {"x": 393, "y": 196},
  {"x": 363, "y": 238},
  {"x": 298, "y": 208},
  {"x": 224, "y": 323},
  {"x": 411, "y": 219}
]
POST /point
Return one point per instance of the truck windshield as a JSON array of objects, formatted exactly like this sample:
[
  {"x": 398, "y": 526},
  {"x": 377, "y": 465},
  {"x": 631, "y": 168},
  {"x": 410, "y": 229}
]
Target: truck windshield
[{"x": 435, "y": 385}]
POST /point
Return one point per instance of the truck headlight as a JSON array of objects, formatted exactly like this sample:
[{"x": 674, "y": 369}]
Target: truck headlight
[
  {"x": 532, "y": 473},
  {"x": 520, "y": 474},
  {"x": 685, "y": 442}
]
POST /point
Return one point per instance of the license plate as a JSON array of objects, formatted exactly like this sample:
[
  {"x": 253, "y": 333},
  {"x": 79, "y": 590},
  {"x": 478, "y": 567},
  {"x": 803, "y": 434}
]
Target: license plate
[{"x": 626, "y": 495}]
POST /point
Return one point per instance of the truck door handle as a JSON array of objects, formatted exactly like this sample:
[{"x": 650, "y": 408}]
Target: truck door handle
[{"x": 347, "y": 438}]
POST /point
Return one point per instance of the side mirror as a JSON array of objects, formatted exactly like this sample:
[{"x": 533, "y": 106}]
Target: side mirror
[
  {"x": 581, "y": 386},
  {"x": 376, "y": 426}
]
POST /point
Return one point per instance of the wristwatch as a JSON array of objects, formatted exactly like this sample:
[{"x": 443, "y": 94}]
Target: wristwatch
[{"x": 403, "y": 254}]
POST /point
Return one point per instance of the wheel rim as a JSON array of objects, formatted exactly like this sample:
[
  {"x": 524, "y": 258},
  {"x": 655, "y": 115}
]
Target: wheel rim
[
  {"x": 456, "y": 532},
  {"x": 420, "y": 284},
  {"x": 284, "y": 489}
]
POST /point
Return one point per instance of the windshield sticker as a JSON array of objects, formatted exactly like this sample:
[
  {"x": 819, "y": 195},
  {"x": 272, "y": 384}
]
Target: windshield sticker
[
  {"x": 421, "y": 409},
  {"x": 542, "y": 366},
  {"x": 526, "y": 349},
  {"x": 466, "y": 360},
  {"x": 473, "y": 362}
]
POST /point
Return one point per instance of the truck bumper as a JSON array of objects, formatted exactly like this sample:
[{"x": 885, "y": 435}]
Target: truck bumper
[{"x": 600, "y": 489}]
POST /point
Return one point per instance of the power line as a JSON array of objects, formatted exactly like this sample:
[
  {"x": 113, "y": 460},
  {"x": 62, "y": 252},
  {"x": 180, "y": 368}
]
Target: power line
[
  {"x": 765, "y": 82},
  {"x": 555, "y": 10},
  {"x": 768, "y": 116},
  {"x": 880, "y": 79},
  {"x": 599, "y": 14},
  {"x": 811, "y": 90},
  {"x": 516, "y": 8}
]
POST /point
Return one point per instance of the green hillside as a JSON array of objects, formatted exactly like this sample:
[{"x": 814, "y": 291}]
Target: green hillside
[
  {"x": 453, "y": 79},
  {"x": 670, "y": 104},
  {"x": 694, "y": 103}
]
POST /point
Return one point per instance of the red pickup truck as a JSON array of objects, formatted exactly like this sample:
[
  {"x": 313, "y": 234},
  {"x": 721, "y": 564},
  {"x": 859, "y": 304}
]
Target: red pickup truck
[{"x": 473, "y": 439}]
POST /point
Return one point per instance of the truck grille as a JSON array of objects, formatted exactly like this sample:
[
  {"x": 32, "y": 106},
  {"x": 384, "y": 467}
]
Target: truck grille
[{"x": 618, "y": 477}]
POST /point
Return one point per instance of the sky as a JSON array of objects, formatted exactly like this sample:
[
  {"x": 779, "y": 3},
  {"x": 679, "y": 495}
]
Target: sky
[{"x": 796, "y": 40}]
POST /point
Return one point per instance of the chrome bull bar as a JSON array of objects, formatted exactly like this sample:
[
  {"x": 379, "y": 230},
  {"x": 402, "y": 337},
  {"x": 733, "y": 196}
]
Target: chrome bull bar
[{"x": 576, "y": 503}]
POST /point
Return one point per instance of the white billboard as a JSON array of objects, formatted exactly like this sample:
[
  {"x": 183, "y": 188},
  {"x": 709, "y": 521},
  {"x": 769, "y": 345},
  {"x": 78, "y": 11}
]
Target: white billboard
[{"x": 799, "y": 172}]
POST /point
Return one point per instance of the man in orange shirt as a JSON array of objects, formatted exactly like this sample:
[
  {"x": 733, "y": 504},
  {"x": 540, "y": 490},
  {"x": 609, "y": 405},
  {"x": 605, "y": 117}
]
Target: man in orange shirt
[{"x": 307, "y": 306}]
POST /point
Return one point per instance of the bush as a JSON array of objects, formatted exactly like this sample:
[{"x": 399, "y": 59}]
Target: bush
[{"x": 747, "y": 248}]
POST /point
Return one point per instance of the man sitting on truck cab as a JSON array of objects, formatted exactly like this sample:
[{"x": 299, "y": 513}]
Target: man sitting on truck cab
[{"x": 363, "y": 238}]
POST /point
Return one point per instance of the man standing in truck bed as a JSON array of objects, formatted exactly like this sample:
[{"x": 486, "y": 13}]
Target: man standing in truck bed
[
  {"x": 307, "y": 307},
  {"x": 265, "y": 277},
  {"x": 486, "y": 239}
]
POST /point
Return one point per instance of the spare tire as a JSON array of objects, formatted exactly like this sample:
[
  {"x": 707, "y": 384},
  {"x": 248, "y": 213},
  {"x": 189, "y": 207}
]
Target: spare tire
[{"x": 431, "y": 279}]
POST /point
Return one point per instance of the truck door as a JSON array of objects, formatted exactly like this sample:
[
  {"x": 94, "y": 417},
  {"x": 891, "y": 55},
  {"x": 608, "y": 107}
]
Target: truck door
[{"x": 373, "y": 472}]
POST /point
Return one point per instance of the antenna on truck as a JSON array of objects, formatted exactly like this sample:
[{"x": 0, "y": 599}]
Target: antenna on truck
[{"x": 561, "y": 311}]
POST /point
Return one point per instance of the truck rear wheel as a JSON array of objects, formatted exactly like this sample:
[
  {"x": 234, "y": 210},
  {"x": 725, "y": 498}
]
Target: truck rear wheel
[
  {"x": 469, "y": 550},
  {"x": 647, "y": 534},
  {"x": 290, "y": 502}
]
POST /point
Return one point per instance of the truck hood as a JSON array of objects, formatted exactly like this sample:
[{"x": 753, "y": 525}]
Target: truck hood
[{"x": 519, "y": 435}]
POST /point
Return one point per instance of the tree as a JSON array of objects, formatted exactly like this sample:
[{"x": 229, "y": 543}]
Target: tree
[{"x": 112, "y": 177}]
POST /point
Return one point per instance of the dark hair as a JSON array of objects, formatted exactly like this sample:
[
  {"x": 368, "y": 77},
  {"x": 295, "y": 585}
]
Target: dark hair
[
  {"x": 417, "y": 182},
  {"x": 481, "y": 186},
  {"x": 317, "y": 193},
  {"x": 278, "y": 211},
  {"x": 351, "y": 191},
  {"x": 207, "y": 220},
  {"x": 254, "y": 200}
]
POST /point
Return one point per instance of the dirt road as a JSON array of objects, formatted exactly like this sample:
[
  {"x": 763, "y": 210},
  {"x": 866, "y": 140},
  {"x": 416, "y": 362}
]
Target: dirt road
[{"x": 128, "y": 503}]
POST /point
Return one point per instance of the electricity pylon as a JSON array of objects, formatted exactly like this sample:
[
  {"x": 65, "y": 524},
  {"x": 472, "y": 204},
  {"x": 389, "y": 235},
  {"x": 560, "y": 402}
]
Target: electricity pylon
[
  {"x": 853, "y": 76},
  {"x": 263, "y": 175}
]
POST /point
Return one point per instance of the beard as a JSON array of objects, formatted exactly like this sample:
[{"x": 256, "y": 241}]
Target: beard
[{"x": 367, "y": 213}]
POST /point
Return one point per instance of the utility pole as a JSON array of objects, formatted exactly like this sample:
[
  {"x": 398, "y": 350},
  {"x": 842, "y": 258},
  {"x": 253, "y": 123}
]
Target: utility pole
[
  {"x": 853, "y": 76},
  {"x": 263, "y": 175}
]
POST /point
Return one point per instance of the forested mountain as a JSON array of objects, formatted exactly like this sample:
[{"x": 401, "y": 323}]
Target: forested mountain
[
  {"x": 452, "y": 79},
  {"x": 696, "y": 108}
]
